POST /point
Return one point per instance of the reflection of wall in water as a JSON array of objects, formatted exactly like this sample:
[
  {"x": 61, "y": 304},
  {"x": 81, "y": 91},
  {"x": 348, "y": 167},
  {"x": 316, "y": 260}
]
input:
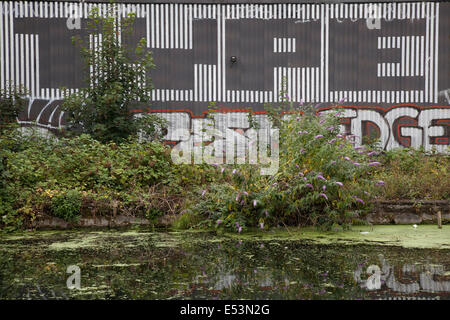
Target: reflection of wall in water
[{"x": 425, "y": 274}]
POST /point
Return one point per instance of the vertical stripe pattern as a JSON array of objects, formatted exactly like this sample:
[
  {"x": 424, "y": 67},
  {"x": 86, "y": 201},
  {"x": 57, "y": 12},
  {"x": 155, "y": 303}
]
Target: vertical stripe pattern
[{"x": 171, "y": 26}]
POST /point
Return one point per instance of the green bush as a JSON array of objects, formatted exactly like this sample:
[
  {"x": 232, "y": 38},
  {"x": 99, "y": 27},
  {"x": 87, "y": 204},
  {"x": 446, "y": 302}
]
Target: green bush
[
  {"x": 12, "y": 140},
  {"x": 136, "y": 175},
  {"x": 67, "y": 205},
  {"x": 12, "y": 102},
  {"x": 323, "y": 179},
  {"x": 414, "y": 174}
]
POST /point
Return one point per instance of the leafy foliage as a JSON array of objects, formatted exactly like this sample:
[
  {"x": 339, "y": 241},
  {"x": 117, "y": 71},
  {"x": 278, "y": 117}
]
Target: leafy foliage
[
  {"x": 12, "y": 102},
  {"x": 414, "y": 174},
  {"x": 323, "y": 179},
  {"x": 67, "y": 205},
  {"x": 137, "y": 176}
]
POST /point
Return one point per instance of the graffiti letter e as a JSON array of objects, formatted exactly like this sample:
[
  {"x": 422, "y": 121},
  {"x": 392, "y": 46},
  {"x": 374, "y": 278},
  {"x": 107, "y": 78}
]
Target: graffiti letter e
[{"x": 74, "y": 281}]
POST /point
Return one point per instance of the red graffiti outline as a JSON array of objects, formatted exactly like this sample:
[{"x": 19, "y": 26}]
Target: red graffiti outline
[
  {"x": 400, "y": 125},
  {"x": 374, "y": 125},
  {"x": 442, "y": 140},
  {"x": 438, "y": 140},
  {"x": 443, "y": 122}
]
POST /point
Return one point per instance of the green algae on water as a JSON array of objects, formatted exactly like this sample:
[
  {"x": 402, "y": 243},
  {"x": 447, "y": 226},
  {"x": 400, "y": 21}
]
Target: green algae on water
[{"x": 299, "y": 263}]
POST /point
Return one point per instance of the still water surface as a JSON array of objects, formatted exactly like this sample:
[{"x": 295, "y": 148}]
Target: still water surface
[{"x": 143, "y": 264}]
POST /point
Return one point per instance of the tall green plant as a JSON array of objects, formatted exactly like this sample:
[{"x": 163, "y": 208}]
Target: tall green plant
[
  {"x": 117, "y": 81},
  {"x": 324, "y": 179},
  {"x": 12, "y": 102}
]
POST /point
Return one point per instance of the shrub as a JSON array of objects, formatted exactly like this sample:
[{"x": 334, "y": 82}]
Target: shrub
[
  {"x": 67, "y": 205},
  {"x": 414, "y": 174},
  {"x": 188, "y": 219},
  {"x": 12, "y": 140},
  {"x": 135, "y": 178},
  {"x": 117, "y": 82},
  {"x": 323, "y": 179},
  {"x": 12, "y": 102}
]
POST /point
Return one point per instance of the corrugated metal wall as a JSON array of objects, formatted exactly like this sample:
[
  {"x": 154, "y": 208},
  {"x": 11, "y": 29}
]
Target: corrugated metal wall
[{"x": 369, "y": 54}]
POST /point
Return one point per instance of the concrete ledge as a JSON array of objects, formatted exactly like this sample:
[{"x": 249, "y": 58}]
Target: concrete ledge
[
  {"x": 384, "y": 212},
  {"x": 49, "y": 222}
]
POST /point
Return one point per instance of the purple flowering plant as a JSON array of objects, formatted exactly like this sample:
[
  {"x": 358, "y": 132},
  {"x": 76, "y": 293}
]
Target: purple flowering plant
[{"x": 315, "y": 184}]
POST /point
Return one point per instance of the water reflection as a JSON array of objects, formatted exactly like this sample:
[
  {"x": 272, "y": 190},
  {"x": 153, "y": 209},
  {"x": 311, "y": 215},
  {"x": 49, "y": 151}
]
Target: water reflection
[
  {"x": 415, "y": 277},
  {"x": 149, "y": 265}
]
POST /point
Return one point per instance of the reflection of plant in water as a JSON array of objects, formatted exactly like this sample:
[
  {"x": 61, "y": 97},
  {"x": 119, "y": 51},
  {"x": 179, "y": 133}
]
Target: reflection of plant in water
[{"x": 37, "y": 292}]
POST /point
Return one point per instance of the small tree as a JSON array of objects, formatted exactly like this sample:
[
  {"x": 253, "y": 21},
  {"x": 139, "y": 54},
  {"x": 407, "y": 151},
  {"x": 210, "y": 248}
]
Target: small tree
[
  {"x": 12, "y": 102},
  {"x": 117, "y": 81}
]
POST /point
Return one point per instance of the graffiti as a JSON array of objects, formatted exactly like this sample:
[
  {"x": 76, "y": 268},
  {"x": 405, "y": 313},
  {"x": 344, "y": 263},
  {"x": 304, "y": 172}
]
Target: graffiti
[
  {"x": 446, "y": 94},
  {"x": 192, "y": 51},
  {"x": 211, "y": 145},
  {"x": 398, "y": 126},
  {"x": 43, "y": 113}
]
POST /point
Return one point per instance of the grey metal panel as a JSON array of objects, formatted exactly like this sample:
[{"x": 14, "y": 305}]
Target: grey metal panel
[
  {"x": 243, "y": 1},
  {"x": 192, "y": 69},
  {"x": 444, "y": 55},
  {"x": 352, "y": 49}
]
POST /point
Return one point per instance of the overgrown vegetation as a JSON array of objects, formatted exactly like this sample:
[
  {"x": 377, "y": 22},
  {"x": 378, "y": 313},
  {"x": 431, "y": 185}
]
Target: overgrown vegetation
[
  {"x": 70, "y": 177},
  {"x": 67, "y": 205},
  {"x": 12, "y": 102},
  {"x": 322, "y": 179},
  {"x": 104, "y": 168},
  {"x": 414, "y": 174}
]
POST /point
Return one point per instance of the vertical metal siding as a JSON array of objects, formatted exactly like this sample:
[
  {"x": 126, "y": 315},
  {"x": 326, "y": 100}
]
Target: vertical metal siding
[
  {"x": 325, "y": 48},
  {"x": 326, "y": 51}
]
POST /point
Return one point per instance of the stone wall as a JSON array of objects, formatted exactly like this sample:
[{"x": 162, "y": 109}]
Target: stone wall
[
  {"x": 49, "y": 222},
  {"x": 384, "y": 212},
  {"x": 409, "y": 212}
]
